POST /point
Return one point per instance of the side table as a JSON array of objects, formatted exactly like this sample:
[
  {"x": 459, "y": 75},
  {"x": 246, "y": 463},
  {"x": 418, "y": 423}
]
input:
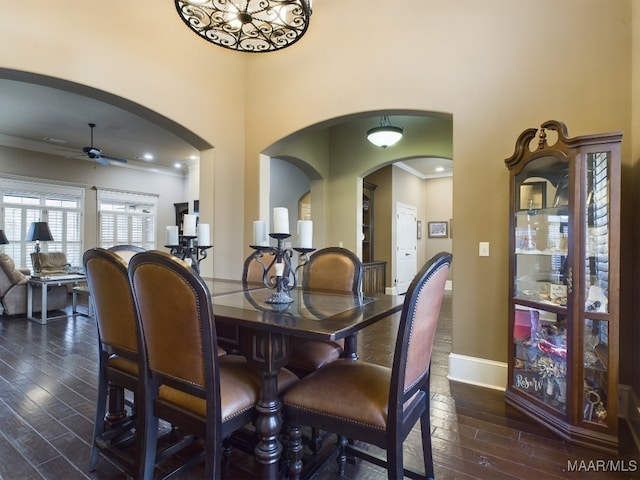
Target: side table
[{"x": 43, "y": 282}]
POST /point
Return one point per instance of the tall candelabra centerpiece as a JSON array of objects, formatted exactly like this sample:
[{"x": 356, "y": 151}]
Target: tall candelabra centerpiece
[
  {"x": 194, "y": 242},
  {"x": 284, "y": 276}
]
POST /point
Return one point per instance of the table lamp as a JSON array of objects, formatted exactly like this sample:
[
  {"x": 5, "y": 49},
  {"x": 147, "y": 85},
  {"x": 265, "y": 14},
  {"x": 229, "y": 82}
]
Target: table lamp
[
  {"x": 38, "y": 232},
  {"x": 3, "y": 238}
]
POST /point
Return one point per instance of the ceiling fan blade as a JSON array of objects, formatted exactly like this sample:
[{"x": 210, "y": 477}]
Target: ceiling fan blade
[
  {"x": 102, "y": 161},
  {"x": 115, "y": 159}
]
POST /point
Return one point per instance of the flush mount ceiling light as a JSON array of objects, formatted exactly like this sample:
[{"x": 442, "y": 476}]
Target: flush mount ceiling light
[
  {"x": 385, "y": 135},
  {"x": 247, "y": 25}
]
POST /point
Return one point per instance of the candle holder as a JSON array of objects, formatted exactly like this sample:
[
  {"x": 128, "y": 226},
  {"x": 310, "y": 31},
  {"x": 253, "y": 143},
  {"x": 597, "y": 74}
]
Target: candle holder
[
  {"x": 285, "y": 278},
  {"x": 191, "y": 251}
]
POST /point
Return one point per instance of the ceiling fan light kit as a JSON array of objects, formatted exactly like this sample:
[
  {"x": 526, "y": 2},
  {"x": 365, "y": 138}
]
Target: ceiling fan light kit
[
  {"x": 247, "y": 25},
  {"x": 96, "y": 154},
  {"x": 385, "y": 135}
]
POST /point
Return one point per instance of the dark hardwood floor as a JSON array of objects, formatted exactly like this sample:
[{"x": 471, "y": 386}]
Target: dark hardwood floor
[{"x": 47, "y": 393}]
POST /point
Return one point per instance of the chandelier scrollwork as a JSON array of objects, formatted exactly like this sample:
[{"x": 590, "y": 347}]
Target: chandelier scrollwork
[{"x": 247, "y": 25}]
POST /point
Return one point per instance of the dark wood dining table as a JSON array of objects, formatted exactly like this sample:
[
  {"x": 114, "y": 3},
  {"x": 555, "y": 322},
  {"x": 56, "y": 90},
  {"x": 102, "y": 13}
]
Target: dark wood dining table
[{"x": 264, "y": 333}]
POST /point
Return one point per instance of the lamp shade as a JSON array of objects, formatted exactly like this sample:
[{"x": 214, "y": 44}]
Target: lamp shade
[
  {"x": 384, "y": 135},
  {"x": 3, "y": 238},
  {"x": 39, "y": 231}
]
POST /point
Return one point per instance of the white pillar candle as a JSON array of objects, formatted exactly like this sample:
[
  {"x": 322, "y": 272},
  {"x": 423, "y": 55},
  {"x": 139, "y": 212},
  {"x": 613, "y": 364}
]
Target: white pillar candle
[
  {"x": 260, "y": 238},
  {"x": 280, "y": 220},
  {"x": 189, "y": 225},
  {"x": 305, "y": 233},
  {"x": 279, "y": 269},
  {"x": 204, "y": 235},
  {"x": 172, "y": 235}
]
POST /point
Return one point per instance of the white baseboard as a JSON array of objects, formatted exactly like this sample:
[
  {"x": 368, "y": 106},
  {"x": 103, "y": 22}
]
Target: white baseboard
[{"x": 477, "y": 371}]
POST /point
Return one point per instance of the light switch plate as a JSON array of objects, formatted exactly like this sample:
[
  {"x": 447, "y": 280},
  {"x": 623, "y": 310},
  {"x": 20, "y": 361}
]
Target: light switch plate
[{"x": 483, "y": 249}]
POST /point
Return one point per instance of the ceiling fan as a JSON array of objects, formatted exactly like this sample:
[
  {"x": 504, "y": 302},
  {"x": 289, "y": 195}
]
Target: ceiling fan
[{"x": 97, "y": 155}]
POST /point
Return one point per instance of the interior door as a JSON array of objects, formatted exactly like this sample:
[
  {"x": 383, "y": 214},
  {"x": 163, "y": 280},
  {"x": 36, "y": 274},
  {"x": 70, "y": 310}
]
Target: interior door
[{"x": 406, "y": 245}]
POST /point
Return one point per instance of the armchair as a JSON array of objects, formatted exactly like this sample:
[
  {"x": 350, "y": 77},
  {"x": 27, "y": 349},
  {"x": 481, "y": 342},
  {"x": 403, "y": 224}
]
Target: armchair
[
  {"x": 13, "y": 290},
  {"x": 52, "y": 263}
]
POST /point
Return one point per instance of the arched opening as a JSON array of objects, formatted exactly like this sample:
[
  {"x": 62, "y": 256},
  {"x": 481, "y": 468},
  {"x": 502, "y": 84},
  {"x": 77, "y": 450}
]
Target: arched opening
[{"x": 341, "y": 160}]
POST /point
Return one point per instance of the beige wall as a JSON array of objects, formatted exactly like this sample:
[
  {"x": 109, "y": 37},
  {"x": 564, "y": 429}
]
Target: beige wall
[
  {"x": 497, "y": 66},
  {"x": 437, "y": 205},
  {"x": 143, "y": 52},
  {"x": 85, "y": 174}
]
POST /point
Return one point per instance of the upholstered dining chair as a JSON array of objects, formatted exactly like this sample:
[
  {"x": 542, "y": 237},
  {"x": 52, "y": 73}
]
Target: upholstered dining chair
[
  {"x": 126, "y": 251},
  {"x": 253, "y": 276},
  {"x": 254, "y": 269},
  {"x": 186, "y": 383},
  {"x": 331, "y": 269},
  {"x": 371, "y": 403},
  {"x": 115, "y": 314}
]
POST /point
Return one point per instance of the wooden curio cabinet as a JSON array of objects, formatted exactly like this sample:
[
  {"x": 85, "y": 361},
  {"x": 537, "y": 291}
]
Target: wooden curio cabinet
[{"x": 564, "y": 282}]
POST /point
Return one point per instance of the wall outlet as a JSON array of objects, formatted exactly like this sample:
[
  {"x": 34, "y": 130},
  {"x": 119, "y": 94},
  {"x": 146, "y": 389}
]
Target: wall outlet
[{"x": 483, "y": 249}]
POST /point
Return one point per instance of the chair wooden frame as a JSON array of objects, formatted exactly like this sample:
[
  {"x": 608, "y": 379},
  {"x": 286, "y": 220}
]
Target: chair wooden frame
[
  {"x": 174, "y": 302},
  {"x": 408, "y": 395},
  {"x": 126, "y": 251},
  {"x": 257, "y": 268},
  {"x": 311, "y": 355},
  {"x": 116, "y": 318}
]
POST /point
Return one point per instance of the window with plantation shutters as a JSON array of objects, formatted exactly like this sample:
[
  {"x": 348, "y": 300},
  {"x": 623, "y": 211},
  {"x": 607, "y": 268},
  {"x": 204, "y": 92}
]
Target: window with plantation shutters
[
  {"x": 25, "y": 201},
  {"x": 127, "y": 218}
]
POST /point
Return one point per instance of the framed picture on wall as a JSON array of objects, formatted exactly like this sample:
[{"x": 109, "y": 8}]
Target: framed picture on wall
[{"x": 438, "y": 229}]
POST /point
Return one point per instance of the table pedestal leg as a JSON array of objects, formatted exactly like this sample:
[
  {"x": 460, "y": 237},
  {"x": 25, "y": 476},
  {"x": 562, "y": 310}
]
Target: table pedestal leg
[
  {"x": 351, "y": 347},
  {"x": 268, "y": 424},
  {"x": 268, "y": 352}
]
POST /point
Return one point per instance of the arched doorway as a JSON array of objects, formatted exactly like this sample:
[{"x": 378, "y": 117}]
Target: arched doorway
[{"x": 340, "y": 156}]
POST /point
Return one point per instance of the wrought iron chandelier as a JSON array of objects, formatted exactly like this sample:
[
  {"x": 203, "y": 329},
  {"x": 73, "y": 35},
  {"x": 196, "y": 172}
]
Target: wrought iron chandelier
[{"x": 247, "y": 25}]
